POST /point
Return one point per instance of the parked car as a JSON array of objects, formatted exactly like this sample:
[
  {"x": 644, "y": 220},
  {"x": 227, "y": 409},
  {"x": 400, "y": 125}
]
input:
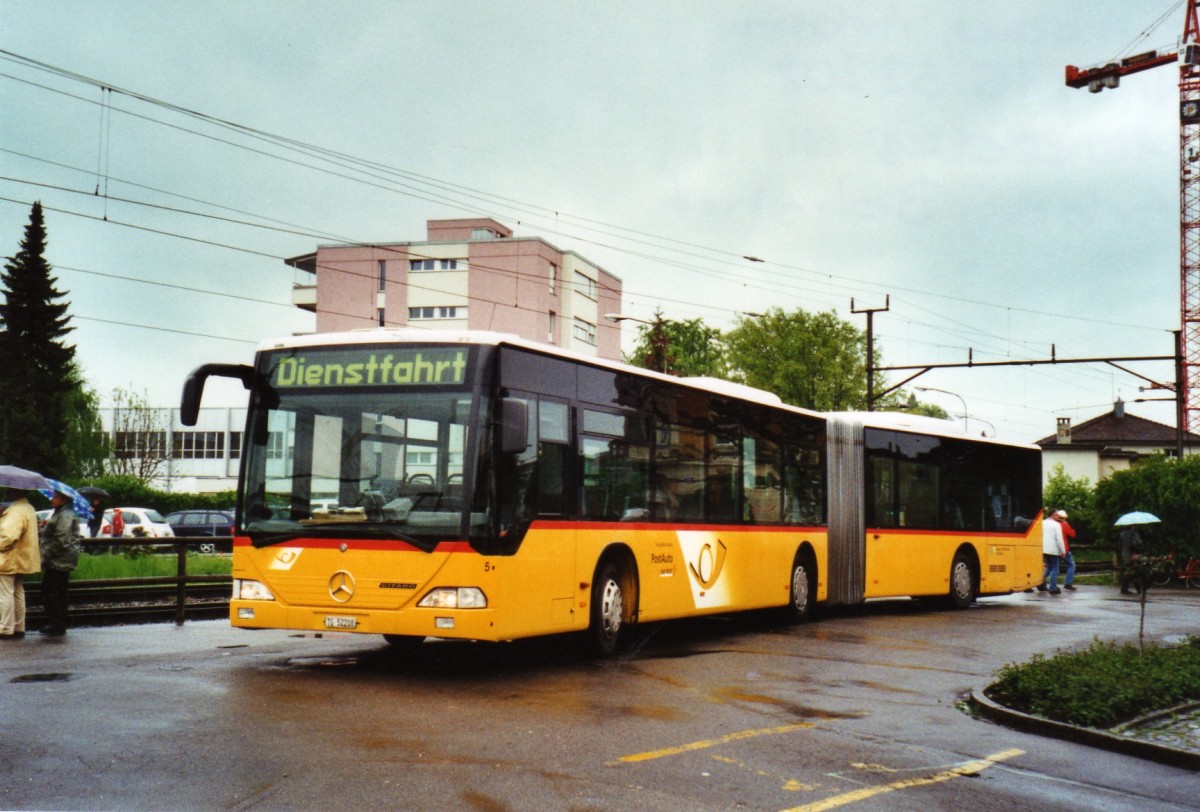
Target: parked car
[
  {"x": 138, "y": 522},
  {"x": 204, "y": 523}
]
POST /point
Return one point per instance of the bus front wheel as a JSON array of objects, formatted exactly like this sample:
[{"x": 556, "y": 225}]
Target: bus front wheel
[
  {"x": 608, "y": 606},
  {"x": 803, "y": 596},
  {"x": 404, "y": 642},
  {"x": 962, "y": 581}
]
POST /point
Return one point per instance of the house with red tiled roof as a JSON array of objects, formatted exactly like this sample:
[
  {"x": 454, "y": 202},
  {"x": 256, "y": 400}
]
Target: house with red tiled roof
[{"x": 1098, "y": 448}]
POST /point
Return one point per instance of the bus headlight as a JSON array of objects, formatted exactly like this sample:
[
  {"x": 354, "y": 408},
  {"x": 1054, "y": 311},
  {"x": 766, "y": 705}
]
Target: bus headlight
[
  {"x": 449, "y": 597},
  {"x": 251, "y": 591}
]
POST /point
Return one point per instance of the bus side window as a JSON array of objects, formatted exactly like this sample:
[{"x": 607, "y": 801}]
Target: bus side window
[
  {"x": 882, "y": 495},
  {"x": 554, "y": 431},
  {"x": 723, "y": 478}
]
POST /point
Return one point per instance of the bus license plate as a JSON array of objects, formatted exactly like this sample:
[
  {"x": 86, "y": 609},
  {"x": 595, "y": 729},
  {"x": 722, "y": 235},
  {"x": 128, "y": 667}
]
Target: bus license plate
[{"x": 340, "y": 622}]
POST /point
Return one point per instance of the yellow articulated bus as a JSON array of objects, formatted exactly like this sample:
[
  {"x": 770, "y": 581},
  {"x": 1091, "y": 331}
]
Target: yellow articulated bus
[{"x": 476, "y": 485}]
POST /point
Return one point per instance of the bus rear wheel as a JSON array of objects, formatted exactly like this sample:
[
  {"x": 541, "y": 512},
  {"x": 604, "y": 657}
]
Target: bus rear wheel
[
  {"x": 608, "y": 607},
  {"x": 962, "y": 581}
]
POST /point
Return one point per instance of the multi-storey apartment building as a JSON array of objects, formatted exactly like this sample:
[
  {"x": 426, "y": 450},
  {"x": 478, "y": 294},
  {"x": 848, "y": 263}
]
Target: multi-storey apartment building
[{"x": 470, "y": 274}]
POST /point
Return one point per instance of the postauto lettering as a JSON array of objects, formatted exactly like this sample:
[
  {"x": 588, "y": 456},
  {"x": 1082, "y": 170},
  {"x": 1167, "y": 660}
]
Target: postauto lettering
[{"x": 371, "y": 368}]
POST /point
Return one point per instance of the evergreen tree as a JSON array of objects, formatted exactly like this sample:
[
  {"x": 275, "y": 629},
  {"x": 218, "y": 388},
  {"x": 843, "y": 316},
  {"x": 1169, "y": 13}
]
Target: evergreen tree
[{"x": 37, "y": 367}]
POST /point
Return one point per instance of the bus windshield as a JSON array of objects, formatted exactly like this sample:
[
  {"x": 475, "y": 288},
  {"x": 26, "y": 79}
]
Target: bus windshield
[{"x": 361, "y": 462}]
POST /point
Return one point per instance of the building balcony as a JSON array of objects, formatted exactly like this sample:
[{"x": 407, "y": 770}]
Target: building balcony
[{"x": 305, "y": 297}]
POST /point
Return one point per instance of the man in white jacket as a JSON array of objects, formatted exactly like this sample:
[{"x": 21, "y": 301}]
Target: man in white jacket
[{"x": 1053, "y": 548}]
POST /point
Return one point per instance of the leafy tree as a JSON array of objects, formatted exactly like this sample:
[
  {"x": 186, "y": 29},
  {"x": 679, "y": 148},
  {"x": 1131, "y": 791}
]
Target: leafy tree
[
  {"x": 86, "y": 445},
  {"x": 811, "y": 360},
  {"x": 683, "y": 348},
  {"x": 38, "y": 375},
  {"x": 1167, "y": 487},
  {"x": 139, "y": 437},
  {"x": 814, "y": 360},
  {"x": 1077, "y": 497}
]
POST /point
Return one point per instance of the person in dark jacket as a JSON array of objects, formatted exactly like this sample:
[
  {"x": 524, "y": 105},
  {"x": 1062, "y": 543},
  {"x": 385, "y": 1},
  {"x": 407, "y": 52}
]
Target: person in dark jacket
[
  {"x": 1131, "y": 550},
  {"x": 59, "y": 542}
]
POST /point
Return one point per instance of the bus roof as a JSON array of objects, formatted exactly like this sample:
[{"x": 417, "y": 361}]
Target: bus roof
[
  {"x": 922, "y": 424},
  {"x": 401, "y": 335},
  {"x": 896, "y": 421}
]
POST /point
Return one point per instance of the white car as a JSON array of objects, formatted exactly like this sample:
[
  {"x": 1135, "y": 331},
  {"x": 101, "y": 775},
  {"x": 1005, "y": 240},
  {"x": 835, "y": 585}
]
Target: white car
[
  {"x": 138, "y": 522},
  {"x": 43, "y": 516}
]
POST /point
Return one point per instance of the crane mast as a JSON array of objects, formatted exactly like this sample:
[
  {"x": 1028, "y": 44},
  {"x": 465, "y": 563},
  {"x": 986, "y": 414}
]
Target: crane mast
[
  {"x": 1109, "y": 75},
  {"x": 1189, "y": 221}
]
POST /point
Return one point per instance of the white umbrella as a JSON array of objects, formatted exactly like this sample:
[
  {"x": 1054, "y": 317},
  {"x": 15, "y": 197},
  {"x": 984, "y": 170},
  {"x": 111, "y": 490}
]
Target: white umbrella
[
  {"x": 1136, "y": 517},
  {"x": 13, "y": 477}
]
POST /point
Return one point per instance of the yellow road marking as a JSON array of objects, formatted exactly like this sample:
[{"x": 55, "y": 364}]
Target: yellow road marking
[
  {"x": 706, "y": 743},
  {"x": 970, "y": 768}
]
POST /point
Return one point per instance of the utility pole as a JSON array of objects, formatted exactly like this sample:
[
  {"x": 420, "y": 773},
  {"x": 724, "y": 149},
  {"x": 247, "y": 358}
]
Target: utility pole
[{"x": 871, "y": 311}]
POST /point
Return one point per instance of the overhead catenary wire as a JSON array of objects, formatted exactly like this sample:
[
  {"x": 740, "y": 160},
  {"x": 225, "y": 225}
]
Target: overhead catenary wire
[
  {"x": 358, "y": 166},
  {"x": 694, "y": 251}
]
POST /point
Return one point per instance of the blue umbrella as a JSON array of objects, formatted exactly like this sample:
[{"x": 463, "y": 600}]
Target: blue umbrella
[{"x": 83, "y": 508}]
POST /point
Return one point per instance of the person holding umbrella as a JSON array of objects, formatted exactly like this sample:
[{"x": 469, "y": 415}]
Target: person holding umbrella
[
  {"x": 19, "y": 553},
  {"x": 96, "y": 497},
  {"x": 1131, "y": 546},
  {"x": 60, "y": 554}
]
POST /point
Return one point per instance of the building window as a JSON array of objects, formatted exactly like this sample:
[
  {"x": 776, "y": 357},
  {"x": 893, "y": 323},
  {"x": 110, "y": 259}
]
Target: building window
[
  {"x": 380, "y": 313},
  {"x": 277, "y": 446},
  {"x": 235, "y": 445},
  {"x": 433, "y": 265},
  {"x": 198, "y": 445},
  {"x": 585, "y": 285},
  {"x": 553, "y": 326},
  {"x": 553, "y": 276},
  {"x": 445, "y": 312},
  {"x": 382, "y": 273},
  {"x": 129, "y": 445},
  {"x": 482, "y": 234},
  {"x": 585, "y": 331}
]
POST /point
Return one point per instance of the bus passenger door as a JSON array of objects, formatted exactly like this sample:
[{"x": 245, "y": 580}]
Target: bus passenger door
[{"x": 538, "y": 594}]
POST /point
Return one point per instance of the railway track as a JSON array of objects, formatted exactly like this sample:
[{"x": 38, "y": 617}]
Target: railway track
[{"x": 110, "y": 603}]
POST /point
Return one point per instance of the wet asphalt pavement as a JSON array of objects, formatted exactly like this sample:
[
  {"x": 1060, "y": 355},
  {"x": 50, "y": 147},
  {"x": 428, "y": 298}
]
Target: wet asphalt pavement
[{"x": 859, "y": 710}]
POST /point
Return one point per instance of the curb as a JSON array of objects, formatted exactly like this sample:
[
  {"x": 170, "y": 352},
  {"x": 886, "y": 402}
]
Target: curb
[{"x": 1151, "y": 751}]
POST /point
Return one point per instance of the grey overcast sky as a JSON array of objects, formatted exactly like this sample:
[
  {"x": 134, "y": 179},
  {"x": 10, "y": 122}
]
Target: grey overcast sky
[{"x": 916, "y": 149}]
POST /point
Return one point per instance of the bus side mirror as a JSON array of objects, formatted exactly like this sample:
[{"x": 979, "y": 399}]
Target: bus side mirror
[
  {"x": 193, "y": 387},
  {"x": 514, "y": 425}
]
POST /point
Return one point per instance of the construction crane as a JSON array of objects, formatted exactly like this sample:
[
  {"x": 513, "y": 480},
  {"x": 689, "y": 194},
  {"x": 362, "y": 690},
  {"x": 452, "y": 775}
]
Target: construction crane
[{"x": 1108, "y": 75}]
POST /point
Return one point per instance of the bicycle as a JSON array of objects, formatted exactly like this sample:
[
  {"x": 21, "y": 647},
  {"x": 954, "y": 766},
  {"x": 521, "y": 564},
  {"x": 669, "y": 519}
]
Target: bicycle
[{"x": 1188, "y": 573}]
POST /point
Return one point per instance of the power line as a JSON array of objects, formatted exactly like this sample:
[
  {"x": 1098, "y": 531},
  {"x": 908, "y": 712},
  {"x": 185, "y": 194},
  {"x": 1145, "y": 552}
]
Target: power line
[
  {"x": 373, "y": 169},
  {"x": 347, "y": 161}
]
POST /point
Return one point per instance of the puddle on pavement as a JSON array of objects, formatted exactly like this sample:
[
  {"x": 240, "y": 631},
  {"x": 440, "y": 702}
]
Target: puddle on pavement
[
  {"x": 53, "y": 677},
  {"x": 798, "y": 711},
  {"x": 323, "y": 662}
]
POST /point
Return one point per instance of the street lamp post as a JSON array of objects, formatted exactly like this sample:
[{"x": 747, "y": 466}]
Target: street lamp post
[
  {"x": 620, "y": 317},
  {"x": 966, "y": 416},
  {"x": 659, "y": 358}
]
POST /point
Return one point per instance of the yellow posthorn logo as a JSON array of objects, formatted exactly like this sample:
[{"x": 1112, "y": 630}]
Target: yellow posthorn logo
[{"x": 708, "y": 563}]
